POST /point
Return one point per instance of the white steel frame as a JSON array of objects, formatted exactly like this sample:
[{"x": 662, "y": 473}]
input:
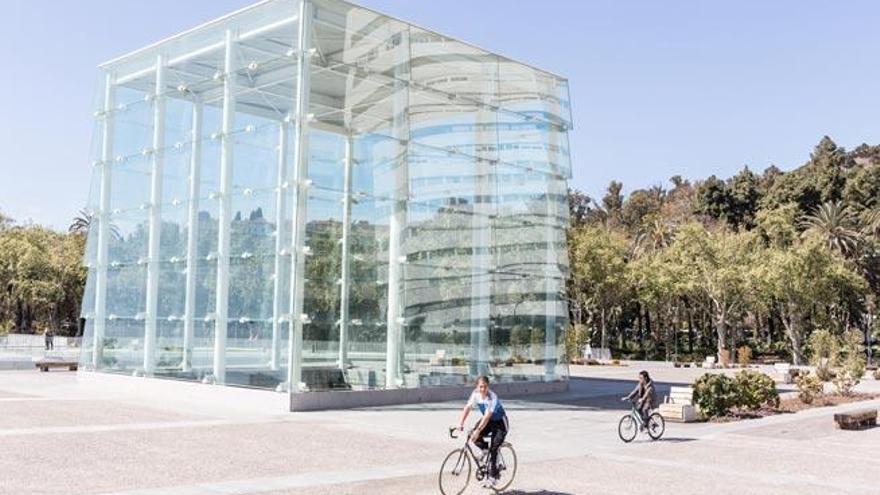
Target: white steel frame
[{"x": 103, "y": 217}]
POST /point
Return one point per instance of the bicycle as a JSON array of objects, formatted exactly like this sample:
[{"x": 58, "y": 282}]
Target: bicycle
[
  {"x": 455, "y": 472},
  {"x": 630, "y": 425}
]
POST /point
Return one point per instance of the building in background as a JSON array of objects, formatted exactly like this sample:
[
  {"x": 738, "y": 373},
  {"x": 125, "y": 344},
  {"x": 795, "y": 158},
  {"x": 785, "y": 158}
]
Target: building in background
[{"x": 307, "y": 192}]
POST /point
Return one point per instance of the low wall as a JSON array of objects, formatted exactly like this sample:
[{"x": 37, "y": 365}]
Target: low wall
[{"x": 319, "y": 401}]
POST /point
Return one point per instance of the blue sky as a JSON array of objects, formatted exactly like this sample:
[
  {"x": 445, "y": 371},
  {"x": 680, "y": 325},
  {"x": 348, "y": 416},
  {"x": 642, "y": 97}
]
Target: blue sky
[{"x": 658, "y": 88}]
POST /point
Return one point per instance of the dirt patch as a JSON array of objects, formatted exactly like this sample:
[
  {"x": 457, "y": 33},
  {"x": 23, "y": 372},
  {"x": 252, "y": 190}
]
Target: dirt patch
[{"x": 793, "y": 405}]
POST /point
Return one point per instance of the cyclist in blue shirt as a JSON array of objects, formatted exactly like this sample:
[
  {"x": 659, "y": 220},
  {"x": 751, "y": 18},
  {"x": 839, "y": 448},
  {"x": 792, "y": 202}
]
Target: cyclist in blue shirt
[{"x": 493, "y": 424}]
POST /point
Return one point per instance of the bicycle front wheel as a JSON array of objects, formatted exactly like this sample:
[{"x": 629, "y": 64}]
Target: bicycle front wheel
[
  {"x": 627, "y": 428},
  {"x": 506, "y": 467},
  {"x": 455, "y": 473},
  {"x": 656, "y": 426}
]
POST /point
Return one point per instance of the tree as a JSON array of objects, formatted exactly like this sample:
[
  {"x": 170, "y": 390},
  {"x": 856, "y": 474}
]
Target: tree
[
  {"x": 582, "y": 209},
  {"x": 713, "y": 198},
  {"x": 640, "y": 206},
  {"x": 716, "y": 264},
  {"x": 613, "y": 199},
  {"x": 598, "y": 266},
  {"x": 778, "y": 226},
  {"x": 862, "y": 190},
  {"x": 798, "y": 279},
  {"x": 81, "y": 223},
  {"x": 744, "y": 196},
  {"x": 835, "y": 224}
]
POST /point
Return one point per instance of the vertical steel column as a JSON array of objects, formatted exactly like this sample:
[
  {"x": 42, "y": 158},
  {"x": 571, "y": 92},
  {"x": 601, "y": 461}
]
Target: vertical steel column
[
  {"x": 345, "y": 284},
  {"x": 278, "y": 282},
  {"x": 225, "y": 216},
  {"x": 397, "y": 220},
  {"x": 551, "y": 291},
  {"x": 486, "y": 137},
  {"x": 192, "y": 239},
  {"x": 103, "y": 222},
  {"x": 155, "y": 226},
  {"x": 301, "y": 171}
]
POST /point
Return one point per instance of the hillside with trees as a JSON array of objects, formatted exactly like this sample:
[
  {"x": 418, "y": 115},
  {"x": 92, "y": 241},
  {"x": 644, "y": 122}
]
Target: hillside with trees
[
  {"x": 757, "y": 260},
  {"x": 708, "y": 267}
]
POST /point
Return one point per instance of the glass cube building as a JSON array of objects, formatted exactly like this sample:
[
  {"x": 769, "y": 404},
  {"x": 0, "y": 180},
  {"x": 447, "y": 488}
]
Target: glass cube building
[{"x": 308, "y": 192}]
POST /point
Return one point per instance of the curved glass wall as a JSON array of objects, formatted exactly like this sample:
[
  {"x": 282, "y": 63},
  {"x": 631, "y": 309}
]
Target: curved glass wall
[{"x": 392, "y": 199}]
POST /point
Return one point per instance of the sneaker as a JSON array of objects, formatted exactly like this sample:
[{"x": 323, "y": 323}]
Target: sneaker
[{"x": 489, "y": 482}]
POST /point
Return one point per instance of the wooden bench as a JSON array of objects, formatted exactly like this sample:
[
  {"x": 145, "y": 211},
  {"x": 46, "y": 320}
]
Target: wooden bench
[
  {"x": 856, "y": 420},
  {"x": 45, "y": 365},
  {"x": 679, "y": 405}
]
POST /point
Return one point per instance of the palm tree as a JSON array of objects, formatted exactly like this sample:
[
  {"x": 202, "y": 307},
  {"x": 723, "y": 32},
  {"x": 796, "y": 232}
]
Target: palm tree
[
  {"x": 81, "y": 223},
  {"x": 837, "y": 226},
  {"x": 871, "y": 222}
]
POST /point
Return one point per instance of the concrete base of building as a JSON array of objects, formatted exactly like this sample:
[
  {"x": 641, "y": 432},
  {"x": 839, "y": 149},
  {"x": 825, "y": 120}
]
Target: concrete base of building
[
  {"x": 261, "y": 401},
  {"x": 253, "y": 402},
  {"x": 319, "y": 401}
]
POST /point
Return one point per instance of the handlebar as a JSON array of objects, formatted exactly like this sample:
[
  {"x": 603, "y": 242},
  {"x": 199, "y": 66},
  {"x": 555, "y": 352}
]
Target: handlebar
[{"x": 453, "y": 432}]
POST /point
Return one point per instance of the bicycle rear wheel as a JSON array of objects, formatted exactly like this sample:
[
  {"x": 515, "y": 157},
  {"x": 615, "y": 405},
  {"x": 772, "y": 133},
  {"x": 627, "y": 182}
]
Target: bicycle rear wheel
[
  {"x": 455, "y": 473},
  {"x": 627, "y": 429},
  {"x": 506, "y": 467},
  {"x": 656, "y": 426}
]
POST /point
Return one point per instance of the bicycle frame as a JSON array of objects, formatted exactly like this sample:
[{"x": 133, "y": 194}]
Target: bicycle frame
[
  {"x": 637, "y": 415},
  {"x": 481, "y": 466}
]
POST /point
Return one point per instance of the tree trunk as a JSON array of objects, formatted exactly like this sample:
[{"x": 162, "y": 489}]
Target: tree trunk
[
  {"x": 641, "y": 329},
  {"x": 721, "y": 328},
  {"x": 603, "y": 323},
  {"x": 690, "y": 317},
  {"x": 794, "y": 328}
]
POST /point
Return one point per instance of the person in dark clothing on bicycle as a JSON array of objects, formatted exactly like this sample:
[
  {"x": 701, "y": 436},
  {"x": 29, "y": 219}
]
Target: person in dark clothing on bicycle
[
  {"x": 643, "y": 396},
  {"x": 493, "y": 424}
]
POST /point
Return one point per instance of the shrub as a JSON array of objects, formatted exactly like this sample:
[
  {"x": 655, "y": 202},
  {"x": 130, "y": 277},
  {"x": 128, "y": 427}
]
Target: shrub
[
  {"x": 809, "y": 387},
  {"x": 853, "y": 367},
  {"x": 824, "y": 373},
  {"x": 877, "y": 374},
  {"x": 754, "y": 389},
  {"x": 850, "y": 375},
  {"x": 714, "y": 394},
  {"x": 744, "y": 355}
]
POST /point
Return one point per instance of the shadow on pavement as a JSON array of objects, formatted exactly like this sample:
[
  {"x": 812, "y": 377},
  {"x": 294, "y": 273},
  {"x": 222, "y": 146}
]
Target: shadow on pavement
[
  {"x": 588, "y": 394},
  {"x": 677, "y": 440},
  {"x": 592, "y": 394},
  {"x": 539, "y": 492}
]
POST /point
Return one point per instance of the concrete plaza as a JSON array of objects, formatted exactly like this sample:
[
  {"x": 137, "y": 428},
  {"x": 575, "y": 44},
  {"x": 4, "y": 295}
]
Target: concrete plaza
[{"x": 61, "y": 434}]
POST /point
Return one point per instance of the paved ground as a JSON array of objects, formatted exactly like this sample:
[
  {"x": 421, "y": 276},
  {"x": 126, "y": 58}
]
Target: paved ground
[{"x": 59, "y": 434}]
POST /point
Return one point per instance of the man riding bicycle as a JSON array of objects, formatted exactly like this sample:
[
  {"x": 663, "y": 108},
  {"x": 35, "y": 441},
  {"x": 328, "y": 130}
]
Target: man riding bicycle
[{"x": 493, "y": 424}]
